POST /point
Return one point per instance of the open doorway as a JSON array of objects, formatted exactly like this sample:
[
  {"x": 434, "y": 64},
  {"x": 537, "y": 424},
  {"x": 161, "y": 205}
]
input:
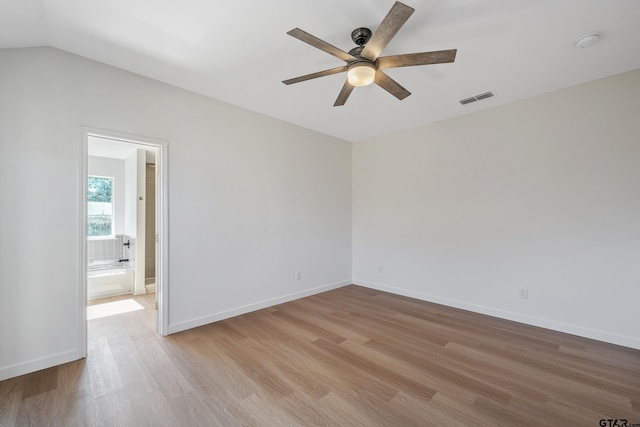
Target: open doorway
[{"x": 124, "y": 224}]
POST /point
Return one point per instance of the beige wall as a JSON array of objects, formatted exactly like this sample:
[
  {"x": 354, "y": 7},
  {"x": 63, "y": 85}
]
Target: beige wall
[
  {"x": 542, "y": 194},
  {"x": 251, "y": 200}
]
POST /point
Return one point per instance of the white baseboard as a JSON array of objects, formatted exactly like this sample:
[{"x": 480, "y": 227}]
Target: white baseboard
[
  {"x": 150, "y": 288},
  {"x": 194, "y": 323},
  {"x": 39, "y": 364},
  {"x": 510, "y": 315}
]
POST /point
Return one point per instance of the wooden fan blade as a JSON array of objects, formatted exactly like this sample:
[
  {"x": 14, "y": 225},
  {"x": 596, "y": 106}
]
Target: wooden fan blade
[
  {"x": 422, "y": 58},
  {"x": 391, "y": 86},
  {"x": 388, "y": 28},
  {"x": 315, "y": 75},
  {"x": 344, "y": 94},
  {"x": 321, "y": 44}
]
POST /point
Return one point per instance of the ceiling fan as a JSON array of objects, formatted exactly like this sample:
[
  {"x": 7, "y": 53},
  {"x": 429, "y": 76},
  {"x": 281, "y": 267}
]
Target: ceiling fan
[{"x": 364, "y": 65}]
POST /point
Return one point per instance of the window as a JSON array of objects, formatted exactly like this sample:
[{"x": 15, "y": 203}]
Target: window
[{"x": 100, "y": 206}]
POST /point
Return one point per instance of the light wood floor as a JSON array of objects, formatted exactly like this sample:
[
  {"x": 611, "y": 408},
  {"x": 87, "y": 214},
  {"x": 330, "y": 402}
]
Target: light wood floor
[{"x": 349, "y": 357}]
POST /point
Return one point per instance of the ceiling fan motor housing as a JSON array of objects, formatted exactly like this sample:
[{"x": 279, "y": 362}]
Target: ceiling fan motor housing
[{"x": 361, "y": 36}]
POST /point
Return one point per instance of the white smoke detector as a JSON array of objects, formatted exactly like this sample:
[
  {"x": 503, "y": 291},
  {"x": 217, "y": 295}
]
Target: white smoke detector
[{"x": 587, "y": 40}]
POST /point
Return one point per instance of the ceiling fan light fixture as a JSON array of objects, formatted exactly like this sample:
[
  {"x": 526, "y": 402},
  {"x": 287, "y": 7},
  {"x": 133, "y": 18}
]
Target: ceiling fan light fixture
[{"x": 361, "y": 74}]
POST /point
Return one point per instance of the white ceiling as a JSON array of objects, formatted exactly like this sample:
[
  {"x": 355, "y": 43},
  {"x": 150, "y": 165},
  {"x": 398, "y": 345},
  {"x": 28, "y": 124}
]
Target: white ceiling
[
  {"x": 239, "y": 52},
  {"x": 117, "y": 149}
]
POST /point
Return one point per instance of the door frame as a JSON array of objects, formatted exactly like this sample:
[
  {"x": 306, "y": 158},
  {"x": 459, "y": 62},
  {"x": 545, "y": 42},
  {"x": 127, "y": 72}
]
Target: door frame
[{"x": 162, "y": 224}]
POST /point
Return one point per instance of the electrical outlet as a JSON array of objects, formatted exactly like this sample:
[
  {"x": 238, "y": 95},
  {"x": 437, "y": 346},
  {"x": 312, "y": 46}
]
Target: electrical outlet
[
  {"x": 298, "y": 275},
  {"x": 524, "y": 293}
]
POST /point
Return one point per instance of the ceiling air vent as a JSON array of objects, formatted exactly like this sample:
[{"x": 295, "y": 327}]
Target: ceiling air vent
[
  {"x": 479, "y": 97},
  {"x": 484, "y": 96}
]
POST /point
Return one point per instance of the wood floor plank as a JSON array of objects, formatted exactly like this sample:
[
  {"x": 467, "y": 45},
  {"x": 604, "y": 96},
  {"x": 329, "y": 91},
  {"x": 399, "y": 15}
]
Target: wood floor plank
[
  {"x": 102, "y": 368},
  {"x": 210, "y": 370},
  {"x": 503, "y": 415},
  {"x": 262, "y": 408},
  {"x": 165, "y": 373},
  {"x": 308, "y": 412},
  {"x": 72, "y": 409},
  {"x": 432, "y": 414},
  {"x": 255, "y": 369},
  {"x": 10, "y": 403},
  {"x": 449, "y": 407},
  {"x": 442, "y": 373},
  {"x": 40, "y": 409},
  {"x": 397, "y": 380},
  {"x": 348, "y": 381},
  {"x": 45, "y": 382},
  {"x": 347, "y": 411},
  {"x": 405, "y": 368},
  {"x": 351, "y": 356}
]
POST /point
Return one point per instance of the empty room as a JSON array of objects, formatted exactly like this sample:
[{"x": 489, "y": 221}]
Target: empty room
[{"x": 319, "y": 213}]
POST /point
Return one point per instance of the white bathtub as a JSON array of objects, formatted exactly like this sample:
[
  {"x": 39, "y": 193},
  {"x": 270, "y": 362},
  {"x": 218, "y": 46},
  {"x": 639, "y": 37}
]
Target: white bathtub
[{"x": 105, "y": 282}]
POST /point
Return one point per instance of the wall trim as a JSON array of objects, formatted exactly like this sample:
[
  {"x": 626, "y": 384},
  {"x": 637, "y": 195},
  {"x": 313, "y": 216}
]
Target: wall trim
[
  {"x": 40, "y": 364},
  {"x": 194, "y": 323},
  {"x": 595, "y": 334},
  {"x": 162, "y": 219}
]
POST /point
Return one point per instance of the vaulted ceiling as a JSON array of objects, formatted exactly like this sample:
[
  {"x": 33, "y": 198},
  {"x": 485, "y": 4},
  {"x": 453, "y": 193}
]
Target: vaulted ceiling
[{"x": 239, "y": 52}]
